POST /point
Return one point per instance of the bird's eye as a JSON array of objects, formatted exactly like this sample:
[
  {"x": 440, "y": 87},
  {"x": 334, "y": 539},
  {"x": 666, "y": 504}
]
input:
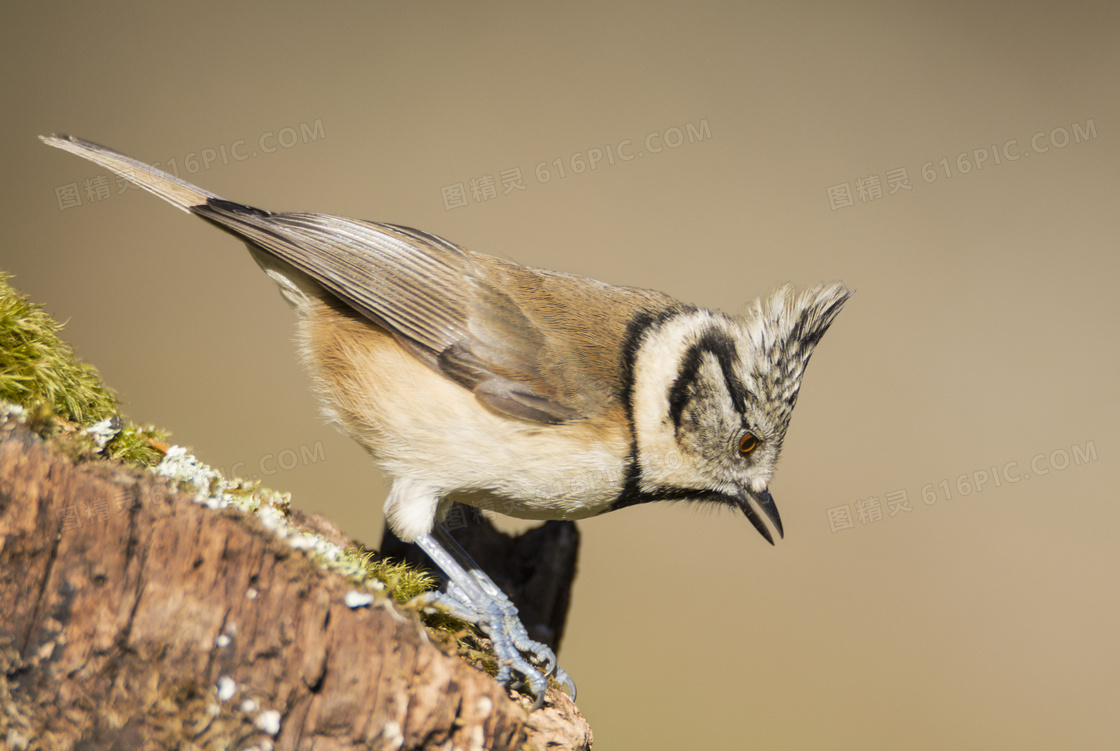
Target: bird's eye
[{"x": 747, "y": 444}]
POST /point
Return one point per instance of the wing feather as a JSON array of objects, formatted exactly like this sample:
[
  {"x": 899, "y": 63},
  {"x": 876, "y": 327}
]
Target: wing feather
[
  {"x": 444, "y": 299},
  {"x": 533, "y": 344}
]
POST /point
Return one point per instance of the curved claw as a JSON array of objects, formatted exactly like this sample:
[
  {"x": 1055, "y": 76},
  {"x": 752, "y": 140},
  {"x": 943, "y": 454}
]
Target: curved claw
[
  {"x": 541, "y": 652},
  {"x": 532, "y": 680},
  {"x": 562, "y": 678}
]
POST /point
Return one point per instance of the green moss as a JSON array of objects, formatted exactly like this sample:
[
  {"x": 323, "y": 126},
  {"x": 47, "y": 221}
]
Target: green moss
[
  {"x": 39, "y": 372},
  {"x": 404, "y": 583},
  {"x": 402, "y": 580},
  {"x": 38, "y": 368},
  {"x": 137, "y": 445}
]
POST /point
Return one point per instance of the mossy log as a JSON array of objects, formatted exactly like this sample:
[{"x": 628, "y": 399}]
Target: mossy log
[{"x": 133, "y": 617}]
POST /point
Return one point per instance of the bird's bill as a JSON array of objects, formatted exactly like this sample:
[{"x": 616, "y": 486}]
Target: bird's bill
[{"x": 759, "y": 505}]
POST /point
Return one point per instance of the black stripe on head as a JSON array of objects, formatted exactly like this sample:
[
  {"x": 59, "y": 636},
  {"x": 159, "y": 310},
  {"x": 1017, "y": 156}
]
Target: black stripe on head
[
  {"x": 712, "y": 341},
  {"x": 722, "y": 346},
  {"x": 642, "y": 323}
]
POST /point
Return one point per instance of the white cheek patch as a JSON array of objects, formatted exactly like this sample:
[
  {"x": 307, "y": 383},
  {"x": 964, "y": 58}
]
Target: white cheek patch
[{"x": 656, "y": 367}]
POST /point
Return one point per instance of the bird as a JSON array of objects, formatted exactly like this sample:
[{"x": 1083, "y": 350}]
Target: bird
[{"x": 535, "y": 393}]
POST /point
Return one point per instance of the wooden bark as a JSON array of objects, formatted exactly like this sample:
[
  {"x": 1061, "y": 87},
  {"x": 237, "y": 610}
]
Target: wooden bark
[{"x": 125, "y": 605}]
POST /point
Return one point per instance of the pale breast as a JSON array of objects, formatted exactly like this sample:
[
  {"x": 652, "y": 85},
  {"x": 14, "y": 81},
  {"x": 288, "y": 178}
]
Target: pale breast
[{"x": 419, "y": 424}]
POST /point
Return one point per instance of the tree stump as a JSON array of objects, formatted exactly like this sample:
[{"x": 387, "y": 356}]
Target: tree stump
[{"x": 133, "y": 617}]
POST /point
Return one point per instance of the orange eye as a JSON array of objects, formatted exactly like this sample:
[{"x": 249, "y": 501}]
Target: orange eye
[{"x": 747, "y": 444}]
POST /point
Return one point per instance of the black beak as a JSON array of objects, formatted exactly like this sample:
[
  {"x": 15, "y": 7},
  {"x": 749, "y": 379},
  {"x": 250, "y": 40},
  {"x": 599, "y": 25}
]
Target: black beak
[{"x": 749, "y": 499}]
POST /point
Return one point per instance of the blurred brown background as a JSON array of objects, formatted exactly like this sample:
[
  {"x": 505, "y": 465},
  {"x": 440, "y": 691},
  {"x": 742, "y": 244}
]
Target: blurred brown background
[{"x": 768, "y": 144}]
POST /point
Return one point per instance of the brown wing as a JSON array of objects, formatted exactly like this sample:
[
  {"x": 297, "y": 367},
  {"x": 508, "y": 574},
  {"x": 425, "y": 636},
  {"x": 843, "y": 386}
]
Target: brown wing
[{"x": 532, "y": 344}]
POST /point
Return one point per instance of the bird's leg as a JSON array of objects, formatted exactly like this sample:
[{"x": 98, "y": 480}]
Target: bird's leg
[
  {"x": 515, "y": 627},
  {"x": 473, "y": 597}
]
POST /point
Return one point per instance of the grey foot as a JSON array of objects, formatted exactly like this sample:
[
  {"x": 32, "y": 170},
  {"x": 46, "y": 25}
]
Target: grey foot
[{"x": 473, "y": 597}]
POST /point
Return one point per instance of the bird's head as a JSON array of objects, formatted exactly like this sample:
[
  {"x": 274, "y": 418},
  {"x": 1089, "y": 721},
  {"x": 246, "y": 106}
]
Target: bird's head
[{"x": 714, "y": 394}]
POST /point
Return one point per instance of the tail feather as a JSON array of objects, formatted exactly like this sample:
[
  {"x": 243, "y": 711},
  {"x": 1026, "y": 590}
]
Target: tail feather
[{"x": 177, "y": 192}]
